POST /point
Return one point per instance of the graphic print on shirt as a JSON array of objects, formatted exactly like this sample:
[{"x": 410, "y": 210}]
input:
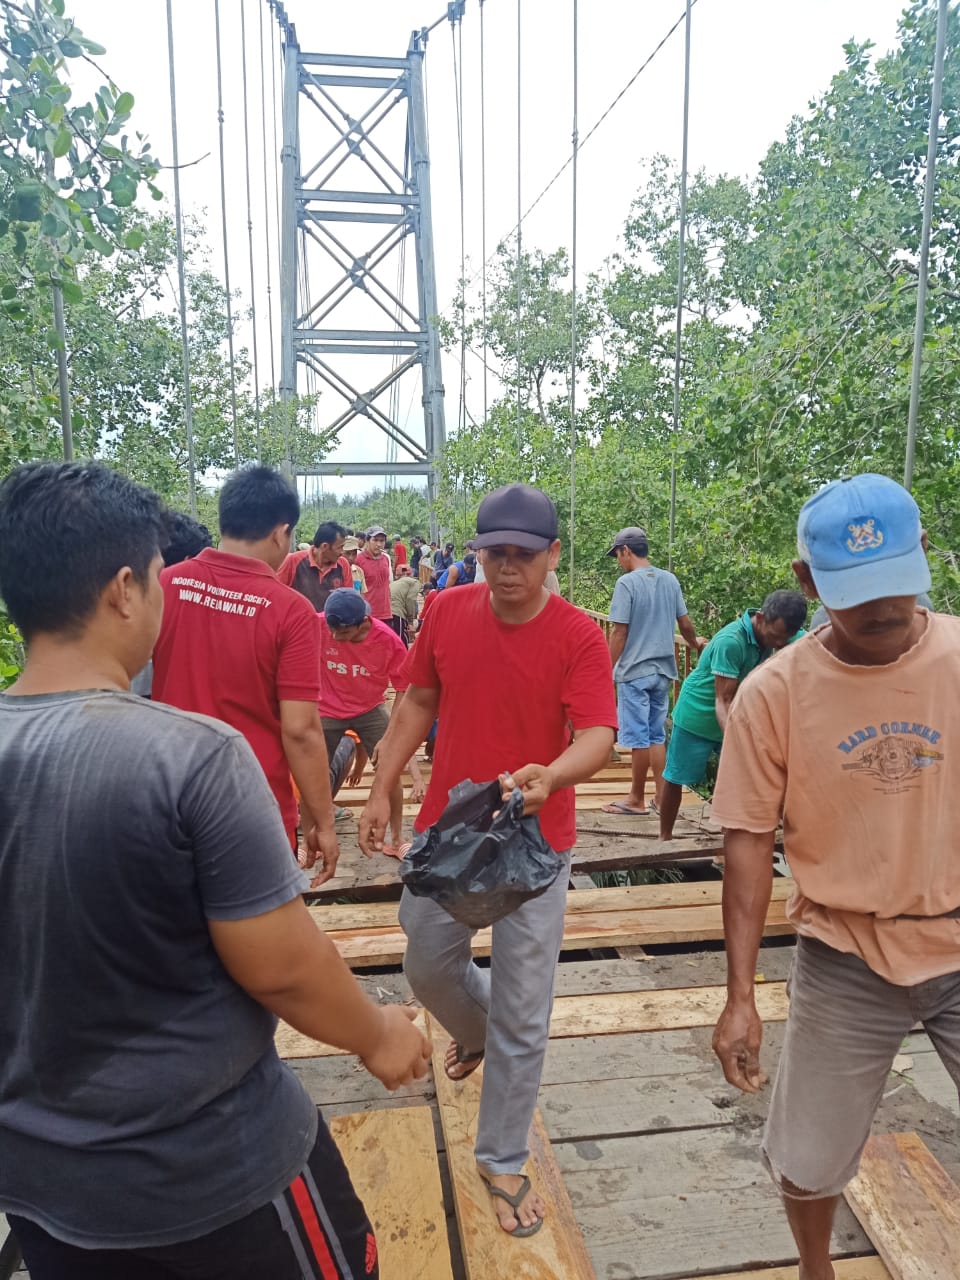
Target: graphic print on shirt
[
  {"x": 895, "y": 753},
  {"x": 194, "y": 591}
]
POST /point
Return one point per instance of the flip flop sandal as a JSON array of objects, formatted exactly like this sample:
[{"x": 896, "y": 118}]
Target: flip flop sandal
[
  {"x": 514, "y": 1202},
  {"x": 397, "y": 850},
  {"x": 471, "y": 1060},
  {"x": 617, "y": 806}
]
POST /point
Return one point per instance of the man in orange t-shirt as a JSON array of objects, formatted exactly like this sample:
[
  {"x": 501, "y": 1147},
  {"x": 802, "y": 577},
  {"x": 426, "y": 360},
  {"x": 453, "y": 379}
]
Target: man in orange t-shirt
[
  {"x": 320, "y": 569},
  {"x": 850, "y": 735}
]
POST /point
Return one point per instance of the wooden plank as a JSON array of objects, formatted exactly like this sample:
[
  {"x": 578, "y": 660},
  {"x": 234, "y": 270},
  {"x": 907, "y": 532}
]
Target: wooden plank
[
  {"x": 557, "y": 1251},
  {"x": 845, "y": 1269},
  {"x": 909, "y": 1207},
  {"x": 606, "y": 1014},
  {"x": 379, "y": 915},
  {"x": 680, "y": 1202},
  {"x": 365, "y": 948},
  {"x": 392, "y": 1159}
]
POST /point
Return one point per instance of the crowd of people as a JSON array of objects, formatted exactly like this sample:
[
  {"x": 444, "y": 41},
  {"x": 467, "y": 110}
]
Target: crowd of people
[{"x": 171, "y": 754}]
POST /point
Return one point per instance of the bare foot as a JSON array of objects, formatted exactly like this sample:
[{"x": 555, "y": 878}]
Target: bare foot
[
  {"x": 817, "y": 1273},
  {"x": 531, "y": 1207},
  {"x": 460, "y": 1070}
]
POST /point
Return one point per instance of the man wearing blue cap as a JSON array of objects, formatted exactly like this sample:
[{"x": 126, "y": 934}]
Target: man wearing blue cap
[
  {"x": 359, "y": 657},
  {"x": 850, "y": 735}
]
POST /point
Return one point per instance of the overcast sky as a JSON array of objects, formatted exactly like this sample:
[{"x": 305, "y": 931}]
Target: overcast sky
[{"x": 755, "y": 64}]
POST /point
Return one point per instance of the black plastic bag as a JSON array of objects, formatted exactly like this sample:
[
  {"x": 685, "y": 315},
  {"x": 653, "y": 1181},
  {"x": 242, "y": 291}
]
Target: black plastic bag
[{"x": 477, "y": 866}]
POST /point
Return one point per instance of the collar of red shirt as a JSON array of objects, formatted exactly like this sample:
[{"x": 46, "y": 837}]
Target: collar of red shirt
[{"x": 227, "y": 560}]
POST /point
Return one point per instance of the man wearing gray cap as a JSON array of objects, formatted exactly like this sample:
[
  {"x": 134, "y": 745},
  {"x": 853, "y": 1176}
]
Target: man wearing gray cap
[
  {"x": 851, "y": 736},
  {"x": 646, "y": 609}
]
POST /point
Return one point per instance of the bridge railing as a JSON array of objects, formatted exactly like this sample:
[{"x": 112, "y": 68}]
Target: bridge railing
[{"x": 686, "y": 658}]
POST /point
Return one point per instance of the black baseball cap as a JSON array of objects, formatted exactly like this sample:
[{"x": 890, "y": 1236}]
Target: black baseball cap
[
  {"x": 632, "y": 533},
  {"x": 516, "y": 515}
]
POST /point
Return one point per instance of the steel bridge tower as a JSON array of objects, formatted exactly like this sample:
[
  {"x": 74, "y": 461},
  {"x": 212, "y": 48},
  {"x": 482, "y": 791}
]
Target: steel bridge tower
[{"x": 355, "y": 190}]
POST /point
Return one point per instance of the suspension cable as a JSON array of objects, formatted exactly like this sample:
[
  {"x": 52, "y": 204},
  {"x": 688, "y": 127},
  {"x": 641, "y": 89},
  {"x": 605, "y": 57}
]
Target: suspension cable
[
  {"x": 456, "y": 28},
  {"x": 573, "y": 306},
  {"x": 680, "y": 265},
  {"x": 519, "y": 239},
  {"x": 253, "y": 282},
  {"x": 483, "y": 212},
  {"x": 226, "y": 254},
  {"x": 181, "y": 274},
  {"x": 266, "y": 202}
]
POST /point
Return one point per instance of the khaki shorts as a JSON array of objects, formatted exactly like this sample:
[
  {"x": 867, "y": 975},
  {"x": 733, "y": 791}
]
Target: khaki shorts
[{"x": 845, "y": 1026}]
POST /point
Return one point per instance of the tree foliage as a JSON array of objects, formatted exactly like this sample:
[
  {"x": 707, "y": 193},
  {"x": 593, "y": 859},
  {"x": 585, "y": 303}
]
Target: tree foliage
[{"x": 795, "y": 347}]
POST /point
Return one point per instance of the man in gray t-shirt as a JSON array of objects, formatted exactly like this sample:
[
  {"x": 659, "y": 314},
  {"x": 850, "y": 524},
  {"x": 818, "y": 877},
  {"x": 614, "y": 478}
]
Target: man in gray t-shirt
[
  {"x": 151, "y": 931},
  {"x": 646, "y": 610}
]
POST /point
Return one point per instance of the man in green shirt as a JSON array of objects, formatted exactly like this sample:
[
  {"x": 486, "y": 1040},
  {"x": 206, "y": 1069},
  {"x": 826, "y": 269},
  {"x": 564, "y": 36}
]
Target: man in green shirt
[{"x": 706, "y": 695}]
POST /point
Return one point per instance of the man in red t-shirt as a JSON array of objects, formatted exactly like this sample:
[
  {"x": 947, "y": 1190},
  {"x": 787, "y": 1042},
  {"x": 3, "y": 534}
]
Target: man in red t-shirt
[
  {"x": 238, "y": 645},
  {"x": 320, "y": 569},
  {"x": 359, "y": 657},
  {"x": 399, "y": 552},
  {"x": 375, "y": 563},
  {"x": 508, "y": 667}
]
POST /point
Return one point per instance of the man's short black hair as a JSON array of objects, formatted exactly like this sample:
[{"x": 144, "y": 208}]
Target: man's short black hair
[
  {"x": 788, "y": 606},
  {"x": 328, "y": 532},
  {"x": 470, "y": 558},
  {"x": 254, "y": 500},
  {"x": 66, "y": 529},
  {"x": 186, "y": 537}
]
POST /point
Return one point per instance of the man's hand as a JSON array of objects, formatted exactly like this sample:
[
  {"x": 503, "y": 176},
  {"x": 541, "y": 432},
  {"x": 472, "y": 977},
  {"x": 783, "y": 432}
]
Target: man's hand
[
  {"x": 417, "y": 791},
  {"x": 736, "y": 1042},
  {"x": 322, "y": 847},
  {"x": 402, "y": 1052},
  {"x": 373, "y": 824},
  {"x": 536, "y": 783}
]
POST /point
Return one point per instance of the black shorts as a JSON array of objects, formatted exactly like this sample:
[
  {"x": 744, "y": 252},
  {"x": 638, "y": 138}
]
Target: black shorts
[{"x": 316, "y": 1229}]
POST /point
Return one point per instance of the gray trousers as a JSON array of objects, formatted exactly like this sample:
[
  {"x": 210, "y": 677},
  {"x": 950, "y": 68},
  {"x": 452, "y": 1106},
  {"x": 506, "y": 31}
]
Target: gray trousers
[{"x": 504, "y": 1010}]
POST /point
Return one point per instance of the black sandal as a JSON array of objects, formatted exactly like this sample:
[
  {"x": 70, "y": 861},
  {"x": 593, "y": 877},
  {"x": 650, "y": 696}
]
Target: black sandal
[
  {"x": 514, "y": 1202},
  {"x": 471, "y": 1060}
]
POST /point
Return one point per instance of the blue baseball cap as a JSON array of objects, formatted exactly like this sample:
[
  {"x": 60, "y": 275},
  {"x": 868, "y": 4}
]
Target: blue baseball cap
[
  {"x": 861, "y": 538},
  {"x": 345, "y": 608}
]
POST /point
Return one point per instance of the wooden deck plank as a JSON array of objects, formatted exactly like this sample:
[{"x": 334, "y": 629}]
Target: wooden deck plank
[
  {"x": 609, "y": 1013},
  {"x": 682, "y": 1202},
  {"x": 846, "y": 1269},
  {"x": 557, "y": 1251},
  {"x": 378, "y": 915},
  {"x": 392, "y": 1159},
  {"x": 909, "y": 1207}
]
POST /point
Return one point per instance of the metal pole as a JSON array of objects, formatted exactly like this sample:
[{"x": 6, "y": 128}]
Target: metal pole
[
  {"x": 573, "y": 310},
  {"x": 928, "y": 191},
  {"x": 66, "y": 418},
  {"x": 680, "y": 266},
  {"x": 181, "y": 274},
  {"x": 483, "y": 212},
  {"x": 290, "y": 169},
  {"x": 226, "y": 253},
  {"x": 519, "y": 245},
  {"x": 433, "y": 412}
]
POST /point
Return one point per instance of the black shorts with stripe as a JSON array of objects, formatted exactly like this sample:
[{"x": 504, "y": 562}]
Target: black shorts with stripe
[{"x": 317, "y": 1229}]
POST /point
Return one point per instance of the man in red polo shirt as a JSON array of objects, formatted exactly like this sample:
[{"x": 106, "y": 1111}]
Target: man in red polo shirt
[
  {"x": 238, "y": 645},
  {"x": 509, "y": 667},
  {"x": 375, "y": 563},
  {"x": 359, "y": 657},
  {"x": 321, "y": 568}
]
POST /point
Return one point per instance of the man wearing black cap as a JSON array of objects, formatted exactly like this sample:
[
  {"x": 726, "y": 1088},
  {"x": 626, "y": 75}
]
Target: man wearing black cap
[
  {"x": 543, "y": 667},
  {"x": 646, "y": 608}
]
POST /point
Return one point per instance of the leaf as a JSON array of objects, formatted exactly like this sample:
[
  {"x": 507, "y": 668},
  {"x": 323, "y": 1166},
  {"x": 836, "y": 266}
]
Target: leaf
[
  {"x": 70, "y": 49},
  {"x": 42, "y": 105},
  {"x": 134, "y": 239},
  {"x": 72, "y": 292},
  {"x": 8, "y": 291},
  {"x": 94, "y": 240},
  {"x": 62, "y": 142},
  {"x": 124, "y": 104}
]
